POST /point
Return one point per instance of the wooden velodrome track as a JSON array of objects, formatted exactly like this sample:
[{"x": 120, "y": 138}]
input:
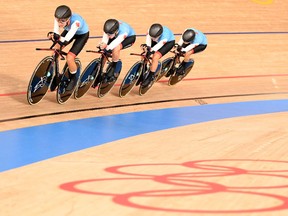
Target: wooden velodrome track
[{"x": 214, "y": 144}]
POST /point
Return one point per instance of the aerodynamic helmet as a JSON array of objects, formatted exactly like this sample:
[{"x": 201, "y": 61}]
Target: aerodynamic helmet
[
  {"x": 155, "y": 30},
  {"x": 63, "y": 12},
  {"x": 188, "y": 35},
  {"x": 111, "y": 26}
]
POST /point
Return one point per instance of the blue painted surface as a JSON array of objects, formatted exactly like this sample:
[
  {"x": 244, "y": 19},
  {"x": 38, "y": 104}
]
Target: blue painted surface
[{"x": 28, "y": 145}]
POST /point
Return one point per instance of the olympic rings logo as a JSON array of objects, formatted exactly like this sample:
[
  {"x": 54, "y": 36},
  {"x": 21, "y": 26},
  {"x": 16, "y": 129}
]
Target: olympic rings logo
[{"x": 194, "y": 180}]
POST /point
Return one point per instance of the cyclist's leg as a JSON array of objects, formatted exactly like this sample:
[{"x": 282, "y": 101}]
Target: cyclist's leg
[
  {"x": 127, "y": 42},
  {"x": 156, "y": 56},
  {"x": 78, "y": 45},
  {"x": 151, "y": 74},
  {"x": 187, "y": 56}
]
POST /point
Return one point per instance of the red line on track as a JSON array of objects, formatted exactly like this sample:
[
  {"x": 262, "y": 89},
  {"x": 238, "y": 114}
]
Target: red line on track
[{"x": 190, "y": 79}]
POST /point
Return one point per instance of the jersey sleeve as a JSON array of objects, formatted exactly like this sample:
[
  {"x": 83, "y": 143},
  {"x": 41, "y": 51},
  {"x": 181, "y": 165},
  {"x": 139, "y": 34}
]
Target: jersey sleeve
[
  {"x": 74, "y": 27},
  {"x": 116, "y": 42},
  {"x": 190, "y": 47},
  {"x": 159, "y": 45},
  {"x": 148, "y": 40},
  {"x": 105, "y": 38},
  {"x": 56, "y": 27},
  {"x": 180, "y": 42}
]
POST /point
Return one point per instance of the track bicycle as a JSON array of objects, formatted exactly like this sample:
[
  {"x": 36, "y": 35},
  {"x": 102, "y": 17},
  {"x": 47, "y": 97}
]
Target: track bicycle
[
  {"x": 171, "y": 68},
  {"x": 47, "y": 75},
  {"x": 136, "y": 74},
  {"x": 95, "y": 74}
]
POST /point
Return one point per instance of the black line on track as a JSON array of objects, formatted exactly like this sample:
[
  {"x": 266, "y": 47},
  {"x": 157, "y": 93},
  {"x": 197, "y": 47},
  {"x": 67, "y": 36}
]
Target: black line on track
[{"x": 199, "y": 100}]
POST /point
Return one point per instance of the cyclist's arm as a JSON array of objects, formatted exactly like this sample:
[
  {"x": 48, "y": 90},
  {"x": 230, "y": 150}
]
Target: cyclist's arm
[
  {"x": 148, "y": 40},
  {"x": 180, "y": 42},
  {"x": 190, "y": 47},
  {"x": 105, "y": 38},
  {"x": 159, "y": 45},
  {"x": 56, "y": 27},
  {"x": 74, "y": 27},
  {"x": 117, "y": 41}
]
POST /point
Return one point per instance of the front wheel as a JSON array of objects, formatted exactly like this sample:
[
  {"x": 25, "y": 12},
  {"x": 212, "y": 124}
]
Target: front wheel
[
  {"x": 87, "y": 78},
  {"x": 109, "y": 79},
  {"x": 130, "y": 79},
  {"x": 176, "y": 77},
  {"x": 166, "y": 66},
  {"x": 63, "y": 94},
  {"x": 144, "y": 90},
  {"x": 40, "y": 80}
]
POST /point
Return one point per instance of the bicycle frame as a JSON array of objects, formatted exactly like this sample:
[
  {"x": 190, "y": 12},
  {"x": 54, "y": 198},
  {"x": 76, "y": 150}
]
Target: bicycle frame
[
  {"x": 57, "y": 53},
  {"x": 46, "y": 69},
  {"x": 134, "y": 75},
  {"x": 145, "y": 62},
  {"x": 172, "y": 73},
  {"x": 103, "y": 58},
  {"x": 92, "y": 74},
  {"x": 177, "y": 57},
  {"x": 144, "y": 58}
]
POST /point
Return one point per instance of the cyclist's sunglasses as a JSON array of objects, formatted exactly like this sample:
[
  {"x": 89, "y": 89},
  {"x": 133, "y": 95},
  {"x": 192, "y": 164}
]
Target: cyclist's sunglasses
[{"x": 62, "y": 20}]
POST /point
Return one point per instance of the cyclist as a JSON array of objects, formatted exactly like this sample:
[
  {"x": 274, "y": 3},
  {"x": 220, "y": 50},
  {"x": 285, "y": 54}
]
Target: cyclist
[
  {"x": 74, "y": 28},
  {"x": 118, "y": 35},
  {"x": 192, "y": 41},
  {"x": 159, "y": 41}
]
